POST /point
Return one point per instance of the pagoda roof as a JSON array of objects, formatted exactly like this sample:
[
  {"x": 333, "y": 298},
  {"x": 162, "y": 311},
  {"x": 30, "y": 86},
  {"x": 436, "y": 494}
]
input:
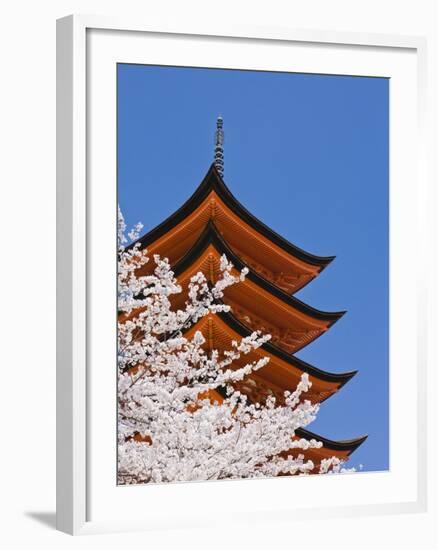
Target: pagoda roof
[
  {"x": 243, "y": 331},
  {"x": 255, "y": 301},
  {"x": 283, "y": 371},
  {"x": 347, "y": 445},
  {"x": 340, "y": 449},
  {"x": 211, "y": 236},
  {"x": 290, "y": 265}
]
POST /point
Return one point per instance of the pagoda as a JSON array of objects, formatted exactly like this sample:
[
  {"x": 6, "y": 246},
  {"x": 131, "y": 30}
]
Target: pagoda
[{"x": 212, "y": 222}]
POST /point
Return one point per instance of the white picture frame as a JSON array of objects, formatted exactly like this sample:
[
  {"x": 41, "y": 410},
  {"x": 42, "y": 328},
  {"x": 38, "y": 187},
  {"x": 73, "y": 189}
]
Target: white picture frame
[{"x": 76, "y": 225}]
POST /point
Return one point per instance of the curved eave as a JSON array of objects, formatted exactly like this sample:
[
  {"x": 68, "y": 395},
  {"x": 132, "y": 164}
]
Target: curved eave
[
  {"x": 242, "y": 330},
  {"x": 211, "y": 236},
  {"x": 347, "y": 445},
  {"x": 214, "y": 182}
]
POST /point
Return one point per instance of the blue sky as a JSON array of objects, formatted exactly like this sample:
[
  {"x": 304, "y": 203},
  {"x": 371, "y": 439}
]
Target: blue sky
[{"x": 308, "y": 155}]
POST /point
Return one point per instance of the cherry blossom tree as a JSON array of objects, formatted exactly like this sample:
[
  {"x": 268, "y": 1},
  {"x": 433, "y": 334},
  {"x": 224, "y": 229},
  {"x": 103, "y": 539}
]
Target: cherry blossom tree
[{"x": 180, "y": 416}]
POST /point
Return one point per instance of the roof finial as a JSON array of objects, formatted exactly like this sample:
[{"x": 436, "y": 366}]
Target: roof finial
[{"x": 219, "y": 146}]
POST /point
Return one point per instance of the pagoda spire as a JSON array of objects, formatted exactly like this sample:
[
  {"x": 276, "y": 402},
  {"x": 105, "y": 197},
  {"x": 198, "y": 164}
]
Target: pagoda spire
[{"x": 219, "y": 146}]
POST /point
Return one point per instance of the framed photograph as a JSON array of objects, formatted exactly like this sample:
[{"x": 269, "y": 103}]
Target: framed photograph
[{"x": 241, "y": 295}]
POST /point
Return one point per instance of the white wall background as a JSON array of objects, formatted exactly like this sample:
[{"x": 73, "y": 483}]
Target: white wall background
[{"x": 27, "y": 168}]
